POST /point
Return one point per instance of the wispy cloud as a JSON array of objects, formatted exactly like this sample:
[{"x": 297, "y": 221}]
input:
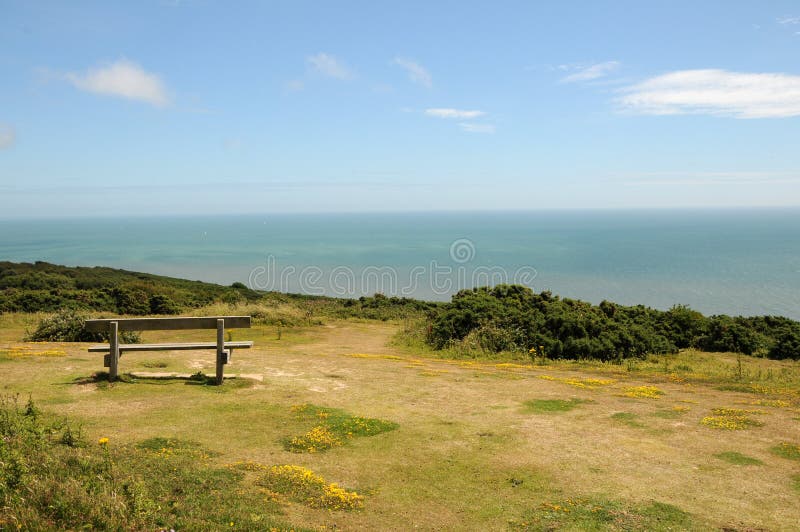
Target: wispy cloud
[
  {"x": 789, "y": 20},
  {"x": 471, "y": 127},
  {"x": 713, "y": 178},
  {"x": 123, "y": 79},
  {"x": 589, "y": 73},
  {"x": 416, "y": 72},
  {"x": 329, "y": 66},
  {"x": 715, "y": 92},
  {"x": 453, "y": 113},
  {"x": 7, "y": 136}
]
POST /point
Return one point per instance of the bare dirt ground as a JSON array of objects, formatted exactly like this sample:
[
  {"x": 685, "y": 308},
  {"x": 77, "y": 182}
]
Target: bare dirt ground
[{"x": 468, "y": 453}]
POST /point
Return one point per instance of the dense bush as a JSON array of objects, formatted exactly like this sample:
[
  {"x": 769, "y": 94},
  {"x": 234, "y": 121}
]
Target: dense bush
[
  {"x": 44, "y": 287},
  {"x": 514, "y": 318},
  {"x": 67, "y": 326},
  {"x": 787, "y": 344}
]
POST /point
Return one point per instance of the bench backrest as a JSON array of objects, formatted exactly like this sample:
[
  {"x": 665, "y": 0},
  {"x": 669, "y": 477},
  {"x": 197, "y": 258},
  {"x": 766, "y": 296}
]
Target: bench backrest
[{"x": 168, "y": 324}]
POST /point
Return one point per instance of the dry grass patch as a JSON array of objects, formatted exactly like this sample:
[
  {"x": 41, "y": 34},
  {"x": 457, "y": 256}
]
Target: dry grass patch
[{"x": 672, "y": 413}]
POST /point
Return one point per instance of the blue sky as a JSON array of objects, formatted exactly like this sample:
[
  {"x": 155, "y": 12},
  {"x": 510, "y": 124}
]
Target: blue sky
[{"x": 222, "y": 107}]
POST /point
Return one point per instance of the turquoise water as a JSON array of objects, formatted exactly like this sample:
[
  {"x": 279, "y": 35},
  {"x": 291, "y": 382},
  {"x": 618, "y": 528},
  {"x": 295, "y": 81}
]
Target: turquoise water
[{"x": 726, "y": 261}]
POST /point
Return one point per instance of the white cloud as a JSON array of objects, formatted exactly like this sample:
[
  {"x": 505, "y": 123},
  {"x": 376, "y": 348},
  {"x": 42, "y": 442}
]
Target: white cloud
[
  {"x": 7, "y": 136},
  {"x": 470, "y": 127},
  {"x": 416, "y": 72},
  {"x": 453, "y": 113},
  {"x": 715, "y": 92},
  {"x": 789, "y": 20},
  {"x": 124, "y": 79},
  {"x": 329, "y": 66},
  {"x": 589, "y": 73}
]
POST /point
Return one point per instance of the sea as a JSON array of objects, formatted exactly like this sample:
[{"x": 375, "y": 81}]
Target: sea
[{"x": 726, "y": 261}]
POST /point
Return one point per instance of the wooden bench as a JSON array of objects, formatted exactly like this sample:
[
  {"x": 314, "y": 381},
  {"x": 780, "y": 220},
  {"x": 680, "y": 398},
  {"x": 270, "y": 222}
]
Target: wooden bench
[{"x": 113, "y": 350}]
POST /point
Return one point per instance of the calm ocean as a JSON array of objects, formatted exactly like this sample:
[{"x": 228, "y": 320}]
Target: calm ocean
[{"x": 716, "y": 261}]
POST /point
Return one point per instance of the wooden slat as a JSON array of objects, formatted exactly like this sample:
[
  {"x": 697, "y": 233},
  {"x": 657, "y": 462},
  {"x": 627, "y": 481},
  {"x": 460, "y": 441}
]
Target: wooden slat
[
  {"x": 169, "y": 324},
  {"x": 103, "y": 348}
]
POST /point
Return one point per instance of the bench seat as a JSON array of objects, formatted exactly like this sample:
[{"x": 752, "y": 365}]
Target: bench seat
[{"x": 104, "y": 348}]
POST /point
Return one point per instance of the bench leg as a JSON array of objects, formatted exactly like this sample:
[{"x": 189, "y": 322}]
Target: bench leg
[
  {"x": 222, "y": 355},
  {"x": 113, "y": 351},
  {"x": 222, "y": 359}
]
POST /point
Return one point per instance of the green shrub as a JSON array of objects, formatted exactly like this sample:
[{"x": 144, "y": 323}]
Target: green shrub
[
  {"x": 67, "y": 326},
  {"x": 787, "y": 344},
  {"x": 161, "y": 304},
  {"x": 514, "y": 318}
]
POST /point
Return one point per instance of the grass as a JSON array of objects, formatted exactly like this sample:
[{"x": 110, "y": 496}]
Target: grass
[
  {"x": 464, "y": 456},
  {"x": 732, "y": 419},
  {"x": 647, "y": 392},
  {"x": 52, "y": 477},
  {"x": 547, "y": 406},
  {"x": 628, "y": 418},
  {"x": 787, "y": 450},
  {"x": 796, "y": 483},
  {"x": 673, "y": 413},
  {"x": 605, "y": 514},
  {"x": 332, "y": 428},
  {"x": 736, "y": 458},
  {"x": 302, "y": 485}
]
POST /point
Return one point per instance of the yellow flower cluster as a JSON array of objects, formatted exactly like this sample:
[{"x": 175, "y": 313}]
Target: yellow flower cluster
[
  {"x": 21, "y": 351},
  {"x": 336, "y": 498},
  {"x": 681, "y": 409},
  {"x": 586, "y": 383},
  {"x": 303, "y": 485},
  {"x": 367, "y": 355},
  {"x": 318, "y": 438},
  {"x": 777, "y": 403},
  {"x": 731, "y": 419},
  {"x": 102, "y": 441},
  {"x": 648, "y": 392},
  {"x": 511, "y": 365}
]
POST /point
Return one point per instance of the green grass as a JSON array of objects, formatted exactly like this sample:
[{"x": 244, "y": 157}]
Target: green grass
[
  {"x": 51, "y": 477},
  {"x": 736, "y": 458},
  {"x": 628, "y": 418},
  {"x": 546, "y": 406},
  {"x": 331, "y": 427},
  {"x": 787, "y": 450},
  {"x": 603, "y": 514},
  {"x": 796, "y": 483}
]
